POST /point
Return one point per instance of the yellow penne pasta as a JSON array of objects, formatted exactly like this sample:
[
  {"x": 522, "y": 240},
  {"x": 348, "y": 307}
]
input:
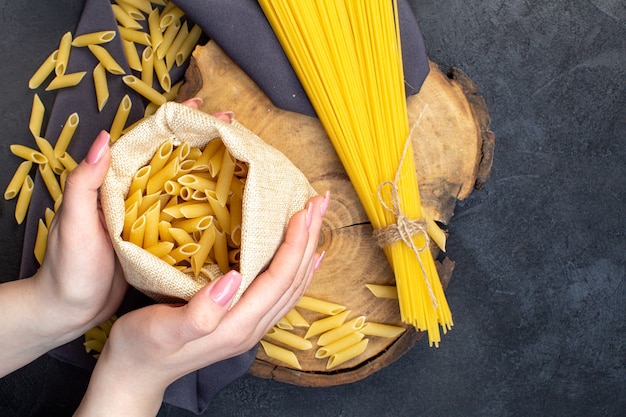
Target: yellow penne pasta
[
  {"x": 46, "y": 148},
  {"x": 131, "y": 10},
  {"x": 281, "y": 354},
  {"x": 125, "y": 19},
  {"x": 382, "y": 330},
  {"x": 197, "y": 182},
  {"x": 66, "y": 80},
  {"x": 188, "y": 45},
  {"x": 200, "y": 209},
  {"x": 41, "y": 239},
  {"x": 320, "y": 306},
  {"x": 156, "y": 34},
  {"x": 105, "y": 58},
  {"x": 101, "y": 86},
  {"x": 121, "y": 116},
  {"x": 345, "y": 329},
  {"x": 151, "y": 231},
  {"x": 156, "y": 181},
  {"x": 140, "y": 180},
  {"x": 94, "y": 38},
  {"x": 137, "y": 230},
  {"x": 50, "y": 181},
  {"x": 236, "y": 215},
  {"x": 224, "y": 178},
  {"x": 170, "y": 16},
  {"x": 164, "y": 232},
  {"x": 175, "y": 210},
  {"x": 135, "y": 36},
  {"x": 290, "y": 339},
  {"x": 144, "y": 89},
  {"x": 181, "y": 237},
  {"x": 63, "y": 56},
  {"x": 143, "y": 5},
  {"x": 206, "y": 242},
  {"x": 234, "y": 256},
  {"x": 173, "y": 93},
  {"x": 221, "y": 212},
  {"x": 57, "y": 202},
  {"x": 135, "y": 197},
  {"x": 347, "y": 354},
  {"x": 37, "y": 113},
  {"x": 67, "y": 161},
  {"x": 130, "y": 217},
  {"x": 180, "y": 152},
  {"x": 161, "y": 249},
  {"x": 147, "y": 65},
  {"x": 151, "y": 108},
  {"x": 28, "y": 154},
  {"x": 325, "y": 324},
  {"x": 184, "y": 252},
  {"x": 132, "y": 56},
  {"x": 339, "y": 345},
  {"x": 23, "y": 199},
  {"x": 168, "y": 37},
  {"x": 194, "y": 225},
  {"x": 383, "y": 291},
  {"x": 172, "y": 187},
  {"x": 170, "y": 55},
  {"x": 169, "y": 260},
  {"x": 48, "y": 216},
  {"x": 43, "y": 72},
  {"x": 215, "y": 163},
  {"x": 295, "y": 318},
  {"x": 66, "y": 135},
  {"x": 93, "y": 345},
  {"x": 147, "y": 201},
  {"x": 284, "y": 324},
  {"x": 163, "y": 75},
  {"x": 161, "y": 157},
  {"x": 194, "y": 154},
  {"x": 16, "y": 182},
  {"x": 220, "y": 251}
]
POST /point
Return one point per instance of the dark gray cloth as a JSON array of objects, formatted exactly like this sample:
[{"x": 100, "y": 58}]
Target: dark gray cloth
[{"x": 241, "y": 29}]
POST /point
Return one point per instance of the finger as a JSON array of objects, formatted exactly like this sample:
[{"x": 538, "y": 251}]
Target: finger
[{"x": 194, "y": 103}]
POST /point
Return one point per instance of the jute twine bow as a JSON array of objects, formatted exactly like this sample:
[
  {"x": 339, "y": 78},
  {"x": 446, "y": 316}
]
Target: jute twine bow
[{"x": 404, "y": 228}]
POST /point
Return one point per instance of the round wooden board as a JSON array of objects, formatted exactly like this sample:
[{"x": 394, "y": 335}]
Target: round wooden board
[{"x": 454, "y": 150}]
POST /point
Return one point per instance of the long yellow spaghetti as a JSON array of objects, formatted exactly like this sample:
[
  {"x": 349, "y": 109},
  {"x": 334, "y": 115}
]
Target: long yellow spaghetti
[{"x": 347, "y": 55}]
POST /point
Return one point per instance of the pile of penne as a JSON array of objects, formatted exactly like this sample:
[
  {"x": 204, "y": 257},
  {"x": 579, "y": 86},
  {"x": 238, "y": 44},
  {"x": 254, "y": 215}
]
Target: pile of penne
[
  {"x": 185, "y": 207},
  {"x": 339, "y": 337},
  {"x": 155, "y": 37}
]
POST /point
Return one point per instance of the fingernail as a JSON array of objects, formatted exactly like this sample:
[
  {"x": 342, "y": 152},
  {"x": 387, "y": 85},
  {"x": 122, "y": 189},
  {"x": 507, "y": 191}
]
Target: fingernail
[
  {"x": 196, "y": 100},
  {"x": 98, "y": 148},
  {"x": 225, "y": 288},
  {"x": 319, "y": 261},
  {"x": 230, "y": 115},
  {"x": 309, "y": 215},
  {"x": 325, "y": 203}
]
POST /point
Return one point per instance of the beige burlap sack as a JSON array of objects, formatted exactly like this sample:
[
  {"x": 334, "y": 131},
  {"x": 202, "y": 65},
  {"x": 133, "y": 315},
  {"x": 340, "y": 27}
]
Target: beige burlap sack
[{"x": 275, "y": 189}]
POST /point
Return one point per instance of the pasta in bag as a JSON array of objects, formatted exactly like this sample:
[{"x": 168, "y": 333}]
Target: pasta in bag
[{"x": 274, "y": 190}]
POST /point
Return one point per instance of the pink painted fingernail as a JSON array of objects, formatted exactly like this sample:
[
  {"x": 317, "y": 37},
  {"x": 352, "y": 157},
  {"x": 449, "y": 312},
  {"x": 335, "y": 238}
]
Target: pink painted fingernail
[
  {"x": 225, "y": 288},
  {"x": 309, "y": 215},
  {"x": 319, "y": 261},
  {"x": 226, "y": 116},
  {"x": 98, "y": 148},
  {"x": 325, "y": 203}
]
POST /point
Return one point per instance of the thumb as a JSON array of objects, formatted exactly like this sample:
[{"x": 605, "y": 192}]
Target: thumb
[
  {"x": 205, "y": 310},
  {"x": 81, "y": 188}
]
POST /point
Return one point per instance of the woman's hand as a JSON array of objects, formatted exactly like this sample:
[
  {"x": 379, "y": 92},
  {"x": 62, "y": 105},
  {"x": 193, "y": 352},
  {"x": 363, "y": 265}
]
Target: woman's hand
[{"x": 150, "y": 348}]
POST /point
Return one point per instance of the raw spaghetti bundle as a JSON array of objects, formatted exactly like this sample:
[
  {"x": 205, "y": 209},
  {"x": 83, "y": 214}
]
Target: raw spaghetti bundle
[
  {"x": 274, "y": 190},
  {"x": 347, "y": 55}
]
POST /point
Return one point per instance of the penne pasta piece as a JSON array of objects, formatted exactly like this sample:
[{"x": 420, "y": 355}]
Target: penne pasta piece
[
  {"x": 67, "y": 161},
  {"x": 200, "y": 209},
  {"x": 181, "y": 237},
  {"x": 131, "y": 10},
  {"x": 295, "y": 318},
  {"x": 66, "y": 135},
  {"x": 284, "y": 324},
  {"x": 382, "y": 330},
  {"x": 194, "y": 154},
  {"x": 46, "y": 149},
  {"x": 161, "y": 249},
  {"x": 170, "y": 16},
  {"x": 50, "y": 181},
  {"x": 140, "y": 180},
  {"x": 347, "y": 354},
  {"x": 190, "y": 42},
  {"x": 197, "y": 224},
  {"x": 161, "y": 157},
  {"x": 383, "y": 291},
  {"x": 137, "y": 231},
  {"x": 43, "y": 72},
  {"x": 135, "y": 36},
  {"x": 169, "y": 260},
  {"x": 168, "y": 37},
  {"x": 339, "y": 345},
  {"x": 93, "y": 345},
  {"x": 132, "y": 56},
  {"x": 48, "y": 216},
  {"x": 143, "y": 5},
  {"x": 341, "y": 331},
  {"x": 16, "y": 182},
  {"x": 157, "y": 181},
  {"x": 147, "y": 200},
  {"x": 280, "y": 354},
  {"x": 130, "y": 217},
  {"x": 151, "y": 231},
  {"x": 173, "y": 93},
  {"x": 184, "y": 252},
  {"x": 320, "y": 306},
  {"x": 66, "y": 80},
  {"x": 41, "y": 238},
  {"x": 327, "y": 323},
  {"x": 57, "y": 202},
  {"x": 144, "y": 89},
  {"x": 63, "y": 56},
  {"x": 94, "y": 38},
  {"x": 234, "y": 256},
  {"x": 135, "y": 197},
  {"x": 287, "y": 338},
  {"x": 125, "y": 19},
  {"x": 37, "y": 113},
  {"x": 221, "y": 212},
  {"x": 28, "y": 154},
  {"x": 236, "y": 215},
  {"x": 197, "y": 182},
  {"x": 101, "y": 86},
  {"x": 202, "y": 163},
  {"x": 63, "y": 179},
  {"x": 206, "y": 242},
  {"x": 180, "y": 152},
  {"x": 159, "y": 2},
  {"x": 147, "y": 65},
  {"x": 151, "y": 108},
  {"x": 105, "y": 58},
  {"x": 175, "y": 210},
  {"x": 156, "y": 34},
  {"x": 172, "y": 187},
  {"x": 121, "y": 116},
  {"x": 220, "y": 251},
  {"x": 164, "y": 231},
  {"x": 170, "y": 55},
  {"x": 163, "y": 75},
  {"x": 23, "y": 199},
  {"x": 224, "y": 178}
]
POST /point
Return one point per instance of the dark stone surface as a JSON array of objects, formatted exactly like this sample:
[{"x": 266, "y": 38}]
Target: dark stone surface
[{"x": 538, "y": 293}]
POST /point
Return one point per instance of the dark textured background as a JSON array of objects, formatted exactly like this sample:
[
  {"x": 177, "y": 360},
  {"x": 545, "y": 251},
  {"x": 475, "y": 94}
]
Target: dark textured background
[{"x": 538, "y": 292}]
